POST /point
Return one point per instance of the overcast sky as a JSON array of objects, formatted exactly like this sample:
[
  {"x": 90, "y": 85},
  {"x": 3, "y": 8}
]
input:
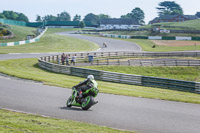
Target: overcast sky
[{"x": 114, "y": 8}]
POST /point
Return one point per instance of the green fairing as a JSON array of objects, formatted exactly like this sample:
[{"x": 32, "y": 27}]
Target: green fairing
[{"x": 87, "y": 99}]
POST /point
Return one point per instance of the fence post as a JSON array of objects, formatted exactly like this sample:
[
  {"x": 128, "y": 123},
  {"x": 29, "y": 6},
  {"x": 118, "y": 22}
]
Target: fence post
[
  {"x": 97, "y": 61},
  {"x": 129, "y": 63},
  {"x": 118, "y": 62},
  {"x": 176, "y": 62},
  {"x": 91, "y": 63},
  {"x": 58, "y": 60},
  {"x": 188, "y": 63},
  {"x": 164, "y": 63},
  {"x": 107, "y": 62}
]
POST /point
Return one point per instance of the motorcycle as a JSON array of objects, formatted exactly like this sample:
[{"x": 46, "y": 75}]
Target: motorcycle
[{"x": 85, "y": 101}]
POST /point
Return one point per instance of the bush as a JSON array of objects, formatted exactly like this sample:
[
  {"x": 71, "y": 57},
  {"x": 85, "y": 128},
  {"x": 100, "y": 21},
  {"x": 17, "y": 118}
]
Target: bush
[{"x": 5, "y": 32}]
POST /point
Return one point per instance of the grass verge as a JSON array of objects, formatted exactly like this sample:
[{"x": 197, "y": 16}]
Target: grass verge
[
  {"x": 29, "y": 69},
  {"x": 52, "y": 42},
  {"x": 20, "y": 123},
  {"x": 180, "y": 73},
  {"x": 147, "y": 46},
  {"x": 20, "y": 33}
]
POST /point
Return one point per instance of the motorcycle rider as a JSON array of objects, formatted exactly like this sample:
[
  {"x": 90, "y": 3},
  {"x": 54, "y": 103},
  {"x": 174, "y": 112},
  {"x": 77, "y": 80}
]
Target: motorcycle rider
[{"x": 86, "y": 84}]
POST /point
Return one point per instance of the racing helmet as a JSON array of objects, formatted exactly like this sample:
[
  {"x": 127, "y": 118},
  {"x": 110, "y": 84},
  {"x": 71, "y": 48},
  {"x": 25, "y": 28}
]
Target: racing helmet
[{"x": 91, "y": 77}]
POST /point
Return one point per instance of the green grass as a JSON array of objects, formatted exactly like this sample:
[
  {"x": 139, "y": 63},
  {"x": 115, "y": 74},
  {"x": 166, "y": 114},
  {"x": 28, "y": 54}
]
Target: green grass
[
  {"x": 14, "y": 122},
  {"x": 147, "y": 46},
  {"x": 180, "y": 73},
  {"x": 20, "y": 33},
  {"x": 51, "y": 42},
  {"x": 190, "y": 25},
  {"x": 28, "y": 69}
]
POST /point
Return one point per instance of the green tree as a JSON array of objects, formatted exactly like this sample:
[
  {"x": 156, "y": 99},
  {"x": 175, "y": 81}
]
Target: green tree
[
  {"x": 50, "y": 18},
  {"x": 137, "y": 14},
  {"x": 38, "y": 18},
  {"x": 103, "y": 16},
  {"x": 198, "y": 14},
  {"x": 94, "y": 19},
  {"x": 7, "y": 14},
  {"x": 77, "y": 18},
  {"x": 82, "y": 24},
  {"x": 126, "y": 16},
  {"x": 15, "y": 16},
  {"x": 22, "y": 17},
  {"x": 64, "y": 16},
  {"x": 2, "y": 16},
  {"x": 169, "y": 8}
]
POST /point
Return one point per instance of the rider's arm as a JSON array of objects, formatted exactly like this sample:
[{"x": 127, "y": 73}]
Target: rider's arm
[{"x": 82, "y": 83}]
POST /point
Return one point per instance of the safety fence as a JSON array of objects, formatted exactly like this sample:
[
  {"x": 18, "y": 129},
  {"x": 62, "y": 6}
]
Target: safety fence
[
  {"x": 46, "y": 63},
  {"x": 142, "y": 62},
  {"x": 122, "y": 54}
]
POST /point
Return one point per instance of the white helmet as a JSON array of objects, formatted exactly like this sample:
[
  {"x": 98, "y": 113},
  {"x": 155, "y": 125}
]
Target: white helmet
[{"x": 90, "y": 77}]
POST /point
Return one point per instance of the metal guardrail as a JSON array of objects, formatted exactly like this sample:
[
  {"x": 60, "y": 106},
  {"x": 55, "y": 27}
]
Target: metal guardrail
[
  {"x": 116, "y": 58},
  {"x": 84, "y": 55},
  {"x": 122, "y": 78},
  {"x": 142, "y": 62}
]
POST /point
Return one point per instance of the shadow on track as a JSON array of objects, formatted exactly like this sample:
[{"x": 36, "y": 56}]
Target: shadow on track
[{"x": 73, "y": 108}]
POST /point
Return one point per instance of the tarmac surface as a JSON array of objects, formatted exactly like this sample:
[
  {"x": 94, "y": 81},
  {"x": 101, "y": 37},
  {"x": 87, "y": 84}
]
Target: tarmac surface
[
  {"x": 112, "y": 44},
  {"x": 121, "y": 112}
]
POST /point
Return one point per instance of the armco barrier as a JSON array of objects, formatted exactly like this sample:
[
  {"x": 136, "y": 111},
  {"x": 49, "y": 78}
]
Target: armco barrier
[
  {"x": 126, "y": 54},
  {"x": 122, "y": 78},
  {"x": 169, "y": 83}
]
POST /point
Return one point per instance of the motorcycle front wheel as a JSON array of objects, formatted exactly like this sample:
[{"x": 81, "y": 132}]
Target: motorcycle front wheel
[{"x": 69, "y": 102}]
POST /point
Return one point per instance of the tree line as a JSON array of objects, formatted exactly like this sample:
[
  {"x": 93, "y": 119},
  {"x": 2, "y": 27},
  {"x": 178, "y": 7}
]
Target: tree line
[
  {"x": 11, "y": 15},
  {"x": 164, "y": 8}
]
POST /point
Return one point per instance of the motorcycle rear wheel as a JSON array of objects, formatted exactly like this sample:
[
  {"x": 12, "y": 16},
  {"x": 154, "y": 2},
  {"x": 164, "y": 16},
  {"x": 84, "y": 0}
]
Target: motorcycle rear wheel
[{"x": 87, "y": 103}]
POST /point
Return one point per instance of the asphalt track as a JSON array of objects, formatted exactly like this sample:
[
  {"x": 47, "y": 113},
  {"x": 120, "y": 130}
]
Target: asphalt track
[
  {"x": 112, "y": 44},
  {"x": 121, "y": 112},
  {"x": 128, "y": 113}
]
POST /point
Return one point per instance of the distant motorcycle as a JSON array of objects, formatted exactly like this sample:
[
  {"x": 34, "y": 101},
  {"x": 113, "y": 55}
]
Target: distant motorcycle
[{"x": 85, "y": 101}]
